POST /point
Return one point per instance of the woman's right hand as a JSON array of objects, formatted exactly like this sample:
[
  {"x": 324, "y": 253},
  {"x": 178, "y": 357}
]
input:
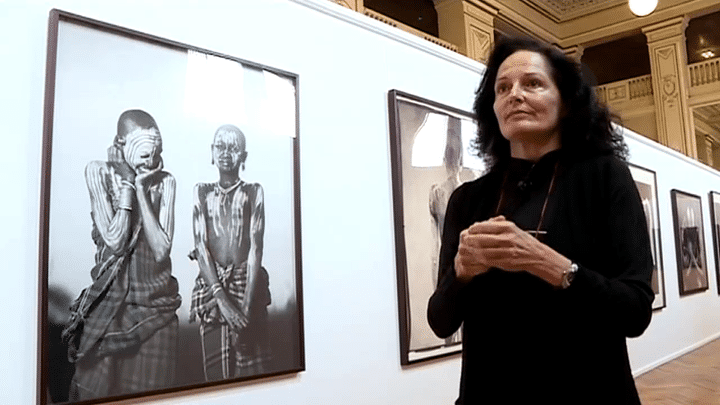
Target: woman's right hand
[
  {"x": 467, "y": 265},
  {"x": 470, "y": 260}
]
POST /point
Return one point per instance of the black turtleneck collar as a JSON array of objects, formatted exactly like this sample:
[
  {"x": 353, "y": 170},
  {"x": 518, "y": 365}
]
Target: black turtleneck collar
[{"x": 526, "y": 174}]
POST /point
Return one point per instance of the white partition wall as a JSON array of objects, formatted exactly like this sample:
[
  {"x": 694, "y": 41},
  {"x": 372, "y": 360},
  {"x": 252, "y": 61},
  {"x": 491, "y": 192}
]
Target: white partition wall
[
  {"x": 690, "y": 321},
  {"x": 346, "y": 64}
]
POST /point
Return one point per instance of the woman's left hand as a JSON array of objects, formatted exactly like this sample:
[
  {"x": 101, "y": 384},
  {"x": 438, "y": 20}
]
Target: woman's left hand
[{"x": 505, "y": 246}]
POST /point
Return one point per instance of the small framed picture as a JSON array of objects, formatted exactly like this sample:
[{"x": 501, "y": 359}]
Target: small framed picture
[
  {"x": 431, "y": 157},
  {"x": 646, "y": 182},
  {"x": 715, "y": 221},
  {"x": 689, "y": 242}
]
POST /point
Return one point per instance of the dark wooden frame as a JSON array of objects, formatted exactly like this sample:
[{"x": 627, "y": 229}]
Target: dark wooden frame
[
  {"x": 405, "y": 216},
  {"x": 292, "y": 334},
  {"x": 655, "y": 238},
  {"x": 684, "y": 236},
  {"x": 714, "y": 198}
]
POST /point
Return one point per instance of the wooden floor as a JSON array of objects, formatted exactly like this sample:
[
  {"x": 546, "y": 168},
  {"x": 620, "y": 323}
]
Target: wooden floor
[{"x": 692, "y": 379}]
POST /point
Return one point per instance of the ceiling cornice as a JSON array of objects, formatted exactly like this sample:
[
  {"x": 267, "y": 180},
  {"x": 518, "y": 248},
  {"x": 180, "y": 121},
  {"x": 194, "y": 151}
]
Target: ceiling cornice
[
  {"x": 618, "y": 21},
  {"x": 522, "y": 18},
  {"x": 567, "y": 23},
  {"x": 565, "y": 10}
]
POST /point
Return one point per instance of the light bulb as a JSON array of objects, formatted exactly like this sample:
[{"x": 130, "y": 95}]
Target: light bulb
[{"x": 642, "y": 8}]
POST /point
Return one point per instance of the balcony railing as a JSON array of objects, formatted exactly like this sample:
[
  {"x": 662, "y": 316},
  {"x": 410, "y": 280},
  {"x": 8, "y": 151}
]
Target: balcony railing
[
  {"x": 626, "y": 90},
  {"x": 705, "y": 72},
  {"x": 640, "y": 87},
  {"x": 701, "y": 74},
  {"x": 397, "y": 24}
]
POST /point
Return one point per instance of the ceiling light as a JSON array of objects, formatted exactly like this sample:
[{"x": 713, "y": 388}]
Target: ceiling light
[
  {"x": 707, "y": 54},
  {"x": 642, "y": 8}
]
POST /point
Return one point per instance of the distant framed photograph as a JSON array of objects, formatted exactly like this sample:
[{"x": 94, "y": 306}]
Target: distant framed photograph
[
  {"x": 715, "y": 221},
  {"x": 689, "y": 242},
  {"x": 431, "y": 156},
  {"x": 170, "y": 218},
  {"x": 646, "y": 183}
]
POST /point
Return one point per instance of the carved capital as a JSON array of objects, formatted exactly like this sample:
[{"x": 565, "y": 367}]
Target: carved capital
[
  {"x": 668, "y": 29},
  {"x": 575, "y": 52},
  {"x": 468, "y": 25}
]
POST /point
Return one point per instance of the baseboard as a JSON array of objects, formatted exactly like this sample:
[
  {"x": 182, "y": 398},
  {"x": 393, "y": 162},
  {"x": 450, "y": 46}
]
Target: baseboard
[{"x": 675, "y": 355}]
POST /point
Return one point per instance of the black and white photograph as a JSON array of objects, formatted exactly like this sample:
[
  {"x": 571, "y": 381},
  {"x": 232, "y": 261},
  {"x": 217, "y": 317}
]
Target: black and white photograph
[
  {"x": 170, "y": 225},
  {"x": 431, "y": 157},
  {"x": 646, "y": 182},
  {"x": 689, "y": 242},
  {"x": 715, "y": 221}
]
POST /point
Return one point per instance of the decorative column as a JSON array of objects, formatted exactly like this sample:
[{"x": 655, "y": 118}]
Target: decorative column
[
  {"x": 668, "y": 63},
  {"x": 467, "y": 24}
]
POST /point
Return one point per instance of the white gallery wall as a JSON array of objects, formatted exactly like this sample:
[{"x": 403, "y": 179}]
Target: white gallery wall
[
  {"x": 346, "y": 64},
  {"x": 687, "y": 322}
]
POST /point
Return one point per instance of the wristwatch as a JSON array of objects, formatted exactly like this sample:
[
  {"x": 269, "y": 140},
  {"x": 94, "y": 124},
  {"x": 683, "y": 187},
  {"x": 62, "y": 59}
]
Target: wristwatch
[{"x": 568, "y": 276}]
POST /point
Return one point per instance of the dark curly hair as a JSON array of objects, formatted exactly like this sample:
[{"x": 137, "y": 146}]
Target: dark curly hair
[{"x": 586, "y": 128}]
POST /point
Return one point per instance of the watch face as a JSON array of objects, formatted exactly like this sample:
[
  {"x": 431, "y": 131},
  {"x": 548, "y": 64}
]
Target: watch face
[{"x": 569, "y": 276}]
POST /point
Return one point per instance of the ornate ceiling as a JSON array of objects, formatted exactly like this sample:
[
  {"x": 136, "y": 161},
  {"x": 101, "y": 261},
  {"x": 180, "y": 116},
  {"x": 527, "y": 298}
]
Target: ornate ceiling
[
  {"x": 605, "y": 31},
  {"x": 587, "y": 22},
  {"x": 564, "y": 10}
]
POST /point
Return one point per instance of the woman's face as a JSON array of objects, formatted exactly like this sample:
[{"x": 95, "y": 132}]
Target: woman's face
[
  {"x": 527, "y": 104},
  {"x": 142, "y": 149}
]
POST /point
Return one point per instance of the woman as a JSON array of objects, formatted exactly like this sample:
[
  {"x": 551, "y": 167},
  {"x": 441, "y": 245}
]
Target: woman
[{"x": 545, "y": 260}]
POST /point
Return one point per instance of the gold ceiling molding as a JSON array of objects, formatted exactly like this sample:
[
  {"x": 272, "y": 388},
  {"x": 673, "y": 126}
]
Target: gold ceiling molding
[
  {"x": 588, "y": 22},
  {"x": 585, "y": 23},
  {"x": 564, "y": 10}
]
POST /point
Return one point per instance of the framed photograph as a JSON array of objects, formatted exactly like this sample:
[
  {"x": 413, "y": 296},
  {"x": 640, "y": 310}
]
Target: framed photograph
[
  {"x": 431, "y": 156},
  {"x": 170, "y": 218},
  {"x": 689, "y": 242},
  {"x": 715, "y": 220},
  {"x": 646, "y": 182}
]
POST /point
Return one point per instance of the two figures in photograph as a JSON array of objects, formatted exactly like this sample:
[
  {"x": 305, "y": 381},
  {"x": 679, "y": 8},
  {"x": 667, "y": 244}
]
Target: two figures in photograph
[{"x": 123, "y": 331}]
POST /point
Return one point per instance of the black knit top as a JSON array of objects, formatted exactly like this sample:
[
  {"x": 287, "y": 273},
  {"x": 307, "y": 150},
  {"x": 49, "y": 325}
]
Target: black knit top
[{"x": 524, "y": 341}]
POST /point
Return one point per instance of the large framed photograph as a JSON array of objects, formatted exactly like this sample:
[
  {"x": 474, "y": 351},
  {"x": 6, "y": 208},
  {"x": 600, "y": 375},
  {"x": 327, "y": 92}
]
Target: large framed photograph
[
  {"x": 715, "y": 221},
  {"x": 170, "y": 221},
  {"x": 689, "y": 242},
  {"x": 646, "y": 182},
  {"x": 431, "y": 156}
]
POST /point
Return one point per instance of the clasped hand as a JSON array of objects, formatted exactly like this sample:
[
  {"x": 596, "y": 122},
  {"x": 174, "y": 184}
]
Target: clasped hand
[
  {"x": 137, "y": 177},
  {"x": 143, "y": 174},
  {"x": 234, "y": 316},
  {"x": 498, "y": 243}
]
